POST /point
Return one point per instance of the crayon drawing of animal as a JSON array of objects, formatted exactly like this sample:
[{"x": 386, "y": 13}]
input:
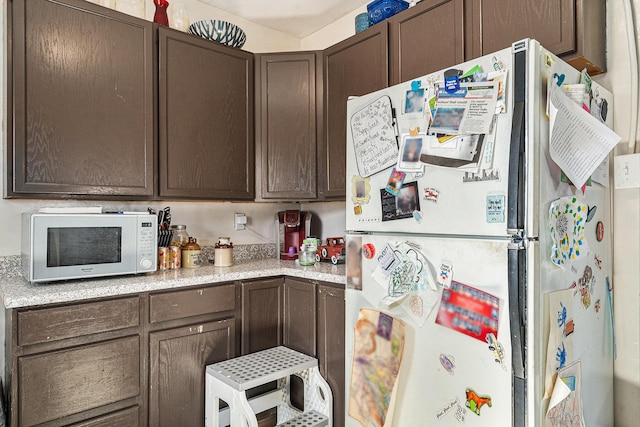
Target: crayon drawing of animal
[{"x": 475, "y": 402}]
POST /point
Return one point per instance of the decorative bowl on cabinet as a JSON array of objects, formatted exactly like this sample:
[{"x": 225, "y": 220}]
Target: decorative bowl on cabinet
[{"x": 219, "y": 31}]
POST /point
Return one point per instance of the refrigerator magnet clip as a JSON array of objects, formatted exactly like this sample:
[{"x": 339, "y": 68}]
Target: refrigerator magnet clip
[
  {"x": 416, "y": 84},
  {"x": 357, "y": 210},
  {"x": 417, "y": 215}
]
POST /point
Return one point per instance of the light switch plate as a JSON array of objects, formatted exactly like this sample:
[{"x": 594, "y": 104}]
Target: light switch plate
[
  {"x": 627, "y": 171},
  {"x": 240, "y": 221}
]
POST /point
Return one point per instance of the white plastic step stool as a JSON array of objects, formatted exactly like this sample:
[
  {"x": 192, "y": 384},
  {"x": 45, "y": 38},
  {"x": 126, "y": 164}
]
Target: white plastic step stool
[{"x": 229, "y": 380}]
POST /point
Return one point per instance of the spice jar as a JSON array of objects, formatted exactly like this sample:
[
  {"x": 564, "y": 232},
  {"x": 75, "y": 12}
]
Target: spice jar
[
  {"x": 224, "y": 252},
  {"x": 180, "y": 236},
  {"x": 191, "y": 254}
]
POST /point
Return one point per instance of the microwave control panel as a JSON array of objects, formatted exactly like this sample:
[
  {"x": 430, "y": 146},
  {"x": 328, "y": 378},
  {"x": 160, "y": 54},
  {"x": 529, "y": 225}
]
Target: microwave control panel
[{"x": 147, "y": 243}]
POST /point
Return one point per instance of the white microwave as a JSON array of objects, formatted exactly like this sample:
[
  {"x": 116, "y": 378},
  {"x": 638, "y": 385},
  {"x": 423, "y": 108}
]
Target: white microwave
[{"x": 74, "y": 246}]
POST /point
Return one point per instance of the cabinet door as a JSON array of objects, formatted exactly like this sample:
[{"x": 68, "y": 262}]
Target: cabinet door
[
  {"x": 206, "y": 118},
  {"x": 300, "y": 315},
  {"x": 83, "y": 113},
  {"x": 178, "y": 358},
  {"x": 331, "y": 345},
  {"x": 286, "y": 87},
  {"x": 426, "y": 38},
  {"x": 354, "y": 67},
  {"x": 261, "y": 314},
  {"x": 572, "y": 29}
]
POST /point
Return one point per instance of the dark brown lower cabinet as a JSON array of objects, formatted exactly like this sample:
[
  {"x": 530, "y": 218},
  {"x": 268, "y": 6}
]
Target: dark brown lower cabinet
[
  {"x": 177, "y": 379},
  {"x": 331, "y": 345},
  {"x": 300, "y": 315},
  {"x": 262, "y": 314},
  {"x": 140, "y": 359}
]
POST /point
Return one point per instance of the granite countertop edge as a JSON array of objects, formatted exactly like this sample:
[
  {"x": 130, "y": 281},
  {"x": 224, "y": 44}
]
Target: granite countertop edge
[{"x": 18, "y": 293}]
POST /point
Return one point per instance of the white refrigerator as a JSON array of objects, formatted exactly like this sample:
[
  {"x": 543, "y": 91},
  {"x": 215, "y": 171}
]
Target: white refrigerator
[{"x": 478, "y": 275}]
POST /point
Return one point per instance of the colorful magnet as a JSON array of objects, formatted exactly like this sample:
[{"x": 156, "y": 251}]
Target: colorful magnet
[
  {"x": 599, "y": 231},
  {"x": 559, "y": 78},
  {"x": 598, "y": 261},
  {"x": 446, "y": 274},
  {"x": 414, "y": 130},
  {"x": 591, "y": 212},
  {"x": 417, "y": 215},
  {"x": 475, "y": 402},
  {"x": 596, "y": 306},
  {"x": 452, "y": 84},
  {"x": 357, "y": 210},
  {"x": 448, "y": 363},
  {"x": 368, "y": 250},
  {"x": 416, "y": 84},
  {"x": 431, "y": 194},
  {"x": 396, "y": 178},
  {"x": 496, "y": 348},
  {"x": 498, "y": 64},
  {"x": 495, "y": 208}
]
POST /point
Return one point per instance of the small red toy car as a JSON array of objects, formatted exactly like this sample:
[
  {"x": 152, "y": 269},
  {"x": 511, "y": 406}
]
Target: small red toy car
[{"x": 333, "y": 250}]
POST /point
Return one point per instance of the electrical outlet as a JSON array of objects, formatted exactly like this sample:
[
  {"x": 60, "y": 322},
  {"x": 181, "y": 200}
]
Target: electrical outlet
[
  {"x": 627, "y": 171},
  {"x": 240, "y": 221}
]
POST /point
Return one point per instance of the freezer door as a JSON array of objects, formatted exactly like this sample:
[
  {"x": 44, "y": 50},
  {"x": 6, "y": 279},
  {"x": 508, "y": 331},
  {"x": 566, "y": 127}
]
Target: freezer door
[
  {"x": 446, "y": 199},
  {"x": 451, "y": 369}
]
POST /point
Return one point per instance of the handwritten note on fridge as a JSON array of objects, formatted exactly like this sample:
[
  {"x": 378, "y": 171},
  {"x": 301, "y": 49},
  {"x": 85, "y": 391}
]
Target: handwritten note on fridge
[
  {"x": 579, "y": 142},
  {"x": 374, "y": 138}
]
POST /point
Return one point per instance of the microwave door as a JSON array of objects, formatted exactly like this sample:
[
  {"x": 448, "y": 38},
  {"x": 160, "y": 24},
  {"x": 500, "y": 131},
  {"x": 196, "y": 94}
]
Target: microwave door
[{"x": 83, "y": 247}]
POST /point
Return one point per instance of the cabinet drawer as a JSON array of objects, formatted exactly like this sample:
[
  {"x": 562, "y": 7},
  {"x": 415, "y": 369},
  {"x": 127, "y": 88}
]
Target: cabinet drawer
[
  {"x": 52, "y": 324},
  {"x": 191, "y": 302},
  {"x": 126, "y": 418},
  {"x": 58, "y": 384}
]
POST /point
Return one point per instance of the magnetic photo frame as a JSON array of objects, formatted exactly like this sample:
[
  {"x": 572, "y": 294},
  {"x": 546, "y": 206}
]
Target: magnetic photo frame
[{"x": 409, "y": 153}]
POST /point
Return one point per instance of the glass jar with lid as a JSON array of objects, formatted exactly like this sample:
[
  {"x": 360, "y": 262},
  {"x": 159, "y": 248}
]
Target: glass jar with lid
[{"x": 180, "y": 236}]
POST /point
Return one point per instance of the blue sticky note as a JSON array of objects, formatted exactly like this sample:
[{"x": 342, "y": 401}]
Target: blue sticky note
[{"x": 495, "y": 208}]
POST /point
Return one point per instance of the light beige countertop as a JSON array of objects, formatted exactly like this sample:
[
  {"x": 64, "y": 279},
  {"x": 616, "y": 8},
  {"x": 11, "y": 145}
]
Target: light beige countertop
[{"x": 17, "y": 292}]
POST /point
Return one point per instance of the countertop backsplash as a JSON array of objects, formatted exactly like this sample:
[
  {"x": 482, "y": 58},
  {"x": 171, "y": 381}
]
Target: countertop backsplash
[{"x": 10, "y": 265}]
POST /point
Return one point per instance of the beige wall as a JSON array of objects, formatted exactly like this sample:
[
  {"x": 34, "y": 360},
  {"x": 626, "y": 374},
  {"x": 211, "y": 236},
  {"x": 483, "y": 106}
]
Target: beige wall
[{"x": 626, "y": 231}]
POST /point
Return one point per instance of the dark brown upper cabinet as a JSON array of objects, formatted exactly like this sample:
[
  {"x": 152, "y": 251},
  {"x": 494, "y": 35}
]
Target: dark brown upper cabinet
[
  {"x": 206, "y": 119},
  {"x": 80, "y": 101},
  {"x": 353, "y": 67},
  {"x": 426, "y": 38},
  {"x": 288, "y": 89},
  {"x": 572, "y": 29}
]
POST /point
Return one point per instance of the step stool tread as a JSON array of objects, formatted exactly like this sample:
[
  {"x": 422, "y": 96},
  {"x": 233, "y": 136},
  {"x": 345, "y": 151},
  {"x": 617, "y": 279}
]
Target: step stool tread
[
  {"x": 307, "y": 419},
  {"x": 251, "y": 370}
]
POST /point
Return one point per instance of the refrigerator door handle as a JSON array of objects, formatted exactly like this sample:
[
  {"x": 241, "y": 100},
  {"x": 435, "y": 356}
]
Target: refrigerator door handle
[
  {"x": 517, "y": 306},
  {"x": 516, "y": 189},
  {"x": 517, "y": 319}
]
